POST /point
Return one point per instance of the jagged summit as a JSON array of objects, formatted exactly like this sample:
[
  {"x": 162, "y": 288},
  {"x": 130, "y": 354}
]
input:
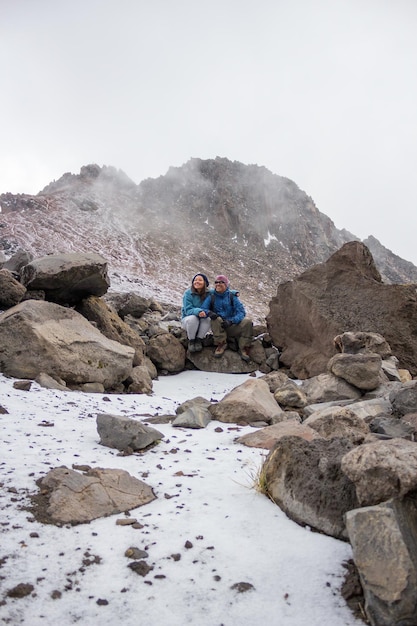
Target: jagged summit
[{"x": 212, "y": 215}]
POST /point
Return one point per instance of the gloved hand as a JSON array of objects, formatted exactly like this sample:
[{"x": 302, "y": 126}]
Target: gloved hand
[
  {"x": 212, "y": 315},
  {"x": 226, "y": 324}
]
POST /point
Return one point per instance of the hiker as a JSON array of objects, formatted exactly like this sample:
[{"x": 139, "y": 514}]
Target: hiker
[
  {"x": 194, "y": 318},
  {"x": 228, "y": 319}
]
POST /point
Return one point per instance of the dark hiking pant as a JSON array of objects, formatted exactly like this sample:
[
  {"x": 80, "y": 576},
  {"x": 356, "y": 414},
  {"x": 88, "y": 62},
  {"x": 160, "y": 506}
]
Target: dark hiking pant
[{"x": 243, "y": 332}]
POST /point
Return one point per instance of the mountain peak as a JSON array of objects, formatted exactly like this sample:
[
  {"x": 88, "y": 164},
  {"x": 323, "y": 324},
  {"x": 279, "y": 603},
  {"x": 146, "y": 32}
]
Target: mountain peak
[{"x": 210, "y": 215}]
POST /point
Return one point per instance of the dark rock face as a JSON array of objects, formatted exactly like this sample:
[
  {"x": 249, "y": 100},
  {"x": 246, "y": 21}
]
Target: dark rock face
[
  {"x": 343, "y": 294},
  {"x": 306, "y": 481}
]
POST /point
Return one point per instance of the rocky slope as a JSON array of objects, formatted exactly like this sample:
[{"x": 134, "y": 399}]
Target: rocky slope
[{"x": 215, "y": 216}]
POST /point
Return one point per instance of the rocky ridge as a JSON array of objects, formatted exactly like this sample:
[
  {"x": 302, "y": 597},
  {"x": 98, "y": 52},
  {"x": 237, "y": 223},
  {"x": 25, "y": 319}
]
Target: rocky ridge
[{"x": 215, "y": 215}]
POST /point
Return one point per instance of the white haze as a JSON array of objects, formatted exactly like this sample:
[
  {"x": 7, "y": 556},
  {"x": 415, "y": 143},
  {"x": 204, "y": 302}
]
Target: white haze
[{"x": 322, "y": 92}]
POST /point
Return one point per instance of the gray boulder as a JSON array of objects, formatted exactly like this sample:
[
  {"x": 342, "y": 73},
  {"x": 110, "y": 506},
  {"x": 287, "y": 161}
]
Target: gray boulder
[
  {"x": 382, "y": 470},
  {"x": 128, "y": 304},
  {"x": 375, "y": 407},
  {"x": 139, "y": 380},
  {"x": 59, "y": 342},
  {"x": 290, "y": 395},
  {"x": 360, "y": 370},
  {"x": 67, "y": 278},
  {"x": 404, "y": 400},
  {"x": 267, "y": 437},
  {"x": 275, "y": 380},
  {"x": 125, "y": 433},
  {"x": 360, "y": 342},
  {"x": 188, "y": 404},
  {"x": 390, "y": 369},
  {"x": 392, "y": 428},
  {"x": 111, "y": 325},
  {"x": 327, "y": 388},
  {"x": 11, "y": 290},
  {"x": 338, "y": 422},
  {"x": 196, "y": 416},
  {"x": 17, "y": 261},
  {"x": 76, "y": 498},
  {"x": 250, "y": 402},
  {"x": 166, "y": 352},
  {"x": 384, "y": 545}
]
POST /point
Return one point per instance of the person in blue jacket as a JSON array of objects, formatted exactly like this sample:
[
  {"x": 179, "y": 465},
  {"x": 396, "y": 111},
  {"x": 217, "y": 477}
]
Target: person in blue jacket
[
  {"x": 228, "y": 319},
  {"x": 195, "y": 306}
]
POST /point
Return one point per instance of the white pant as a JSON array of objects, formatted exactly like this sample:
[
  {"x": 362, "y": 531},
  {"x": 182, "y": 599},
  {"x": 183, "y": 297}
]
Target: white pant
[{"x": 196, "y": 326}]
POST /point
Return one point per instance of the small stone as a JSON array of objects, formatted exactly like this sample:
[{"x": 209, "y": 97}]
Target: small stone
[
  {"x": 140, "y": 567},
  {"x": 20, "y": 591},
  {"x": 126, "y": 522},
  {"x": 136, "y": 553},
  {"x": 242, "y": 587},
  {"x": 137, "y": 526},
  {"x": 22, "y": 385}
]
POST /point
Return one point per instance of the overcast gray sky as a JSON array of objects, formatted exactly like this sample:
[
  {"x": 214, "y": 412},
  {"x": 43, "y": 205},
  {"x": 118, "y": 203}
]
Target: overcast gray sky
[{"x": 323, "y": 92}]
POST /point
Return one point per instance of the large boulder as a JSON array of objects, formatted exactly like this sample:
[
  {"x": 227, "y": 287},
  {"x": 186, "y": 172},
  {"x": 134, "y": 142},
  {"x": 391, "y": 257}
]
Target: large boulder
[
  {"x": 17, "y": 261},
  {"x": 11, "y": 291},
  {"x": 360, "y": 370},
  {"x": 67, "y": 278},
  {"x": 338, "y": 421},
  {"x": 118, "y": 431},
  {"x": 75, "y": 497},
  {"x": 37, "y": 336},
  {"x": 362, "y": 343},
  {"x": 112, "y": 326},
  {"x": 267, "y": 437},
  {"x": 306, "y": 481},
  {"x": 129, "y": 303},
  {"x": 384, "y": 544},
  {"x": 166, "y": 352},
  {"x": 250, "y": 402},
  {"x": 404, "y": 399},
  {"x": 382, "y": 470},
  {"x": 343, "y": 294},
  {"x": 230, "y": 363},
  {"x": 328, "y": 388}
]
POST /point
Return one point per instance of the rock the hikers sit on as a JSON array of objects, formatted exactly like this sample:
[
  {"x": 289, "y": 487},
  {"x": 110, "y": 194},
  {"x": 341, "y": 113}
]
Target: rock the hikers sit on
[
  {"x": 228, "y": 319},
  {"x": 194, "y": 318}
]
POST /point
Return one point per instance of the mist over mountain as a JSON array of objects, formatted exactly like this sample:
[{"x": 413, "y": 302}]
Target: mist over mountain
[{"x": 214, "y": 215}]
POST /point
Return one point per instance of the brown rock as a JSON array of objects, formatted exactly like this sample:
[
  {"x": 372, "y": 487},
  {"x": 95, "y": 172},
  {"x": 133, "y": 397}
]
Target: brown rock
[
  {"x": 343, "y": 294},
  {"x": 267, "y": 437},
  {"x": 111, "y": 325}
]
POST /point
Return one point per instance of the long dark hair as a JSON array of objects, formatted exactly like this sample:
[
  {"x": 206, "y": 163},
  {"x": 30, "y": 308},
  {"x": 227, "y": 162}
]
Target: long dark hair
[{"x": 204, "y": 291}]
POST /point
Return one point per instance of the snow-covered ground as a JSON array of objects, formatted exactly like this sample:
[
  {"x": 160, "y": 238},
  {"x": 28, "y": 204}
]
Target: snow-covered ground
[{"x": 208, "y": 529}]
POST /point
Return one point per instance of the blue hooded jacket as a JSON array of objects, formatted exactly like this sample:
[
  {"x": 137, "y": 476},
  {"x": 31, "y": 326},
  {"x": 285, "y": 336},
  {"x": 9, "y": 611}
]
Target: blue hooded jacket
[
  {"x": 192, "y": 303},
  {"x": 227, "y": 305}
]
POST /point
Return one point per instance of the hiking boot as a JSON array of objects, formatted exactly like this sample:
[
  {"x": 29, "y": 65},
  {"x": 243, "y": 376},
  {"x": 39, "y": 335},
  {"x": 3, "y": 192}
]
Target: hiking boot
[
  {"x": 244, "y": 354},
  {"x": 198, "y": 346},
  {"x": 220, "y": 349},
  {"x": 192, "y": 346}
]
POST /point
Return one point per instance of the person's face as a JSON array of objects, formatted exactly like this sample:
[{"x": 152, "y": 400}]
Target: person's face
[
  {"x": 198, "y": 283},
  {"x": 220, "y": 286}
]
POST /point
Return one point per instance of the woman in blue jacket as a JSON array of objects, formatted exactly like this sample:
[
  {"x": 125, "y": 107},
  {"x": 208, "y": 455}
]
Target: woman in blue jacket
[{"x": 195, "y": 304}]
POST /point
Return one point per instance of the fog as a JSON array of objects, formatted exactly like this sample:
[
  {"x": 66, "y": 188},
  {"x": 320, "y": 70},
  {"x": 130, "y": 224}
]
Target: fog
[{"x": 323, "y": 93}]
